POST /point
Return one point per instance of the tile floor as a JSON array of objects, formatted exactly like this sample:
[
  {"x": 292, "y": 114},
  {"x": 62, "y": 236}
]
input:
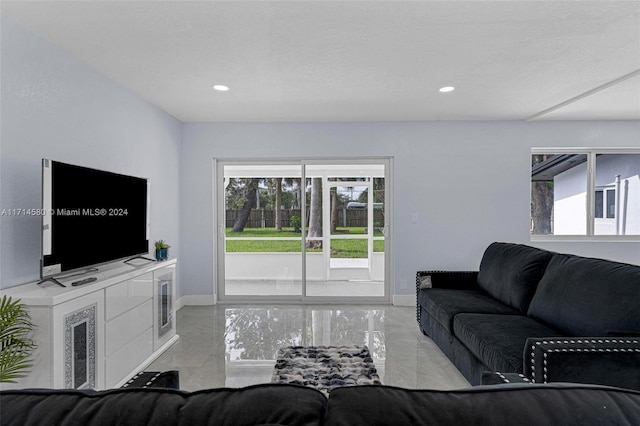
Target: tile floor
[{"x": 235, "y": 346}]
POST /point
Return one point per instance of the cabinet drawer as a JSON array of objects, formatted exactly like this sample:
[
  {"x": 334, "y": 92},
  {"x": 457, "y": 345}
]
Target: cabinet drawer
[
  {"x": 121, "y": 364},
  {"x": 123, "y": 296},
  {"x": 124, "y": 328}
]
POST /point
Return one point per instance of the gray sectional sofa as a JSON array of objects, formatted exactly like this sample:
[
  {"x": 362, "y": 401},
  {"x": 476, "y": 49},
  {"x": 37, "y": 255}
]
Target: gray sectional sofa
[{"x": 548, "y": 316}]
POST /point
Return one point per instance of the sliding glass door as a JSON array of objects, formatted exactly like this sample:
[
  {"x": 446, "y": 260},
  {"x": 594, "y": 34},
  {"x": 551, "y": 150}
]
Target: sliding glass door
[{"x": 302, "y": 230}]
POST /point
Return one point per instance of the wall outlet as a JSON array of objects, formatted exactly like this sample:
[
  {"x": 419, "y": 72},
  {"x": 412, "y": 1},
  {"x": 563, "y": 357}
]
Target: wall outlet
[{"x": 414, "y": 217}]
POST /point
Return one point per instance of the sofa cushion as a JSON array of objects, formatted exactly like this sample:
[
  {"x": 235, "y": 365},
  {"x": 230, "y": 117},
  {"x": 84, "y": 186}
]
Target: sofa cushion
[
  {"x": 499, "y": 340},
  {"x": 511, "y": 272},
  {"x": 254, "y": 405},
  {"x": 444, "y": 304},
  {"x": 498, "y": 405},
  {"x": 589, "y": 297}
]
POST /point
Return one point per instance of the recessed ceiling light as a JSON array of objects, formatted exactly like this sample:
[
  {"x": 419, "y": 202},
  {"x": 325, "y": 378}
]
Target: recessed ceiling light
[
  {"x": 220, "y": 87},
  {"x": 447, "y": 89}
]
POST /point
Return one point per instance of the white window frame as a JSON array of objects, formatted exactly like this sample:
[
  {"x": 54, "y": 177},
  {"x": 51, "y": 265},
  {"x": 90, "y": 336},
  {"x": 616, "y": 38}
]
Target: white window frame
[{"x": 590, "y": 195}]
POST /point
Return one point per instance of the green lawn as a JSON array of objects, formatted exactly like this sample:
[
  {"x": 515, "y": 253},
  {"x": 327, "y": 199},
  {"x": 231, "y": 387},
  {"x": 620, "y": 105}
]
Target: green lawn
[
  {"x": 254, "y": 246},
  {"x": 340, "y": 248},
  {"x": 288, "y": 232}
]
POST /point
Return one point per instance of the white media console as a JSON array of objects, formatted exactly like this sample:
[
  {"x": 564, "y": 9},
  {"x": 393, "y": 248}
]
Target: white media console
[{"x": 99, "y": 334}]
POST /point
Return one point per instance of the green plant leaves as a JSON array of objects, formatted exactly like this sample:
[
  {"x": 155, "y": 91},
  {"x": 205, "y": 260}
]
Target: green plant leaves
[{"x": 15, "y": 344}]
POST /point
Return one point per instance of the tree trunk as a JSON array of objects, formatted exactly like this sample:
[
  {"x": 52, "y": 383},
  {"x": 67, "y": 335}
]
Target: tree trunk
[
  {"x": 250, "y": 202},
  {"x": 541, "y": 202},
  {"x": 541, "y": 207},
  {"x": 334, "y": 210},
  {"x": 299, "y": 194},
  {"x": 278, "y": 205},
  {"x": 315, "y": 213}
]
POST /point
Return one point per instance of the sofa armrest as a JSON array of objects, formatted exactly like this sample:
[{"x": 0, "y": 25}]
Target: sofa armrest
[
  {"x": 611, "y": 361},
  {"x": 460, "y": 280}
]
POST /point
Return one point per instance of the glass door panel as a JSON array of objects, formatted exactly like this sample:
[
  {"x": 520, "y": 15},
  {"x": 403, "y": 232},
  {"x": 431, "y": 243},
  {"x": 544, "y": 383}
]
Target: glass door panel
[
  {"x": 263, "y": 230},
  {"x": 348, "y": 233}
]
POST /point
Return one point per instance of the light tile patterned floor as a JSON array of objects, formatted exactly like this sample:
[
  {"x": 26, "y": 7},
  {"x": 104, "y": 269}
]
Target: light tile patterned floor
[{"x": 234, "y": 346}]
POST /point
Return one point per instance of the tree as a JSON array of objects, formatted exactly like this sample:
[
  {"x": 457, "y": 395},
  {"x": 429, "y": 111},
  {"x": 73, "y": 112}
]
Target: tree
[
  {"x": 378, "y": 197},
  {"x": 249, "y": 203},
  {"x": 541, "y": 201},
  {"x": 378, "y": 192},
  {"x": 290, "y": 193},
  {"x": 334, "y": 210},
  {"x": 278, "y": 205},
  {"x": 235, "y": 192},
  {"x": 315, "y": 213}
]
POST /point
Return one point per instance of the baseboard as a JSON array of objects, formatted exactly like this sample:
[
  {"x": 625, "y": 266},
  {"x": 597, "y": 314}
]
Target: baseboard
[
  {"x": 404, "y": 299},
  {"x": 196, "y": 300}
]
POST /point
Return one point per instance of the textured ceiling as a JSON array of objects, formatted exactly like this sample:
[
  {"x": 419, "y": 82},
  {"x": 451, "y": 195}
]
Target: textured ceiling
[{"x": 358, "y": 60}]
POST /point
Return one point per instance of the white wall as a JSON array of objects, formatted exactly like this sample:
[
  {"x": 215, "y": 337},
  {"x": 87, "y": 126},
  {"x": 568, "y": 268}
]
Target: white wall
[
  {"x": 54, "y": 106},
  {"x": 467, "y": 181}
]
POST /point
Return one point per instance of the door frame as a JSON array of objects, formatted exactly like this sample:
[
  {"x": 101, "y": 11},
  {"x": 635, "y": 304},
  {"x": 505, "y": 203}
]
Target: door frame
[{"x": 219, "y": 227}]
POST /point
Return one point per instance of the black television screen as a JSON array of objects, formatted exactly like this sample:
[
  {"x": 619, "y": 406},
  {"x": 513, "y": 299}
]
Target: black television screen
[{"x": 91, "y": 217}]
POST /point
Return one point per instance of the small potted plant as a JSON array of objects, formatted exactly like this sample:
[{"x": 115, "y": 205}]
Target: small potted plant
[
  {"x": 162, "y": 250},
  {"x": 16, "y": 345}
]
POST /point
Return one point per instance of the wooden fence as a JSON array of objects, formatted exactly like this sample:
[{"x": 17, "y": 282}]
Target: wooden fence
[{"x": 260, "y": 218}]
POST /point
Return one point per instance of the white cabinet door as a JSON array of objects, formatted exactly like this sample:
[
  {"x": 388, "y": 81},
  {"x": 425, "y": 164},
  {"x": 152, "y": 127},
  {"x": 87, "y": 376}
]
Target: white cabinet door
[
  {"x": 127, "y": 327},
  {"x": 122, "y": 364},
  {"x": 78, "y": 343},
  {"x": 164, "y": 280},
  {"x": 126, "y": 295}
]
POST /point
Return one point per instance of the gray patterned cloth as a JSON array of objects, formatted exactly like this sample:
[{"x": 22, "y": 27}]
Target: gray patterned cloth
[{"x": 325, "y": 367}]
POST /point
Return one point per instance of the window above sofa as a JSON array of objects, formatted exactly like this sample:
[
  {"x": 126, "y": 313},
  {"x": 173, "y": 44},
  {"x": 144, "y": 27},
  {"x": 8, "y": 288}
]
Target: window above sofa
[{"x": 585, "y": 193}]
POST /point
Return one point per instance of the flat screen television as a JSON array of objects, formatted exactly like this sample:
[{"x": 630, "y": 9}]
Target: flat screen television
[{"x": 91, "y": 217}]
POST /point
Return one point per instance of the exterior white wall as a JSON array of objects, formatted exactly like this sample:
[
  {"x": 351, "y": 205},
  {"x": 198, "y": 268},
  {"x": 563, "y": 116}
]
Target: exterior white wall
[
  {"x": 272, "y": 266},
  {"x": 628, "y": 167},
  {"x": 570, "y": 196},
  {"x": 570, "y": 201},
  {"x": 55, "y": 107},
  {"x": 287, "y": 266},
  {"x": 484, "y": 167}
]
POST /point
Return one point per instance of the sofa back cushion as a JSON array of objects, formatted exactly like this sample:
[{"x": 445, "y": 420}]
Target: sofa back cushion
[
  {"x": 523, "y": 404},
  {"x": 589, "y": 297},
  {"x": 266, "y": 404},
  {"x": 510, "y": 273}
]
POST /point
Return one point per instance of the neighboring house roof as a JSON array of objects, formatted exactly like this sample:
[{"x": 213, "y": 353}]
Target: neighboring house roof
[{"x": 555, "y": 165}]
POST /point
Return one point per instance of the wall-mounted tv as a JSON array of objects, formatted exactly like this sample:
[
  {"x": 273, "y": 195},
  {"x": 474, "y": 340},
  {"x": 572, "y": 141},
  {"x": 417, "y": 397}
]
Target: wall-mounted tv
[{"x": 91, "y": 217}]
